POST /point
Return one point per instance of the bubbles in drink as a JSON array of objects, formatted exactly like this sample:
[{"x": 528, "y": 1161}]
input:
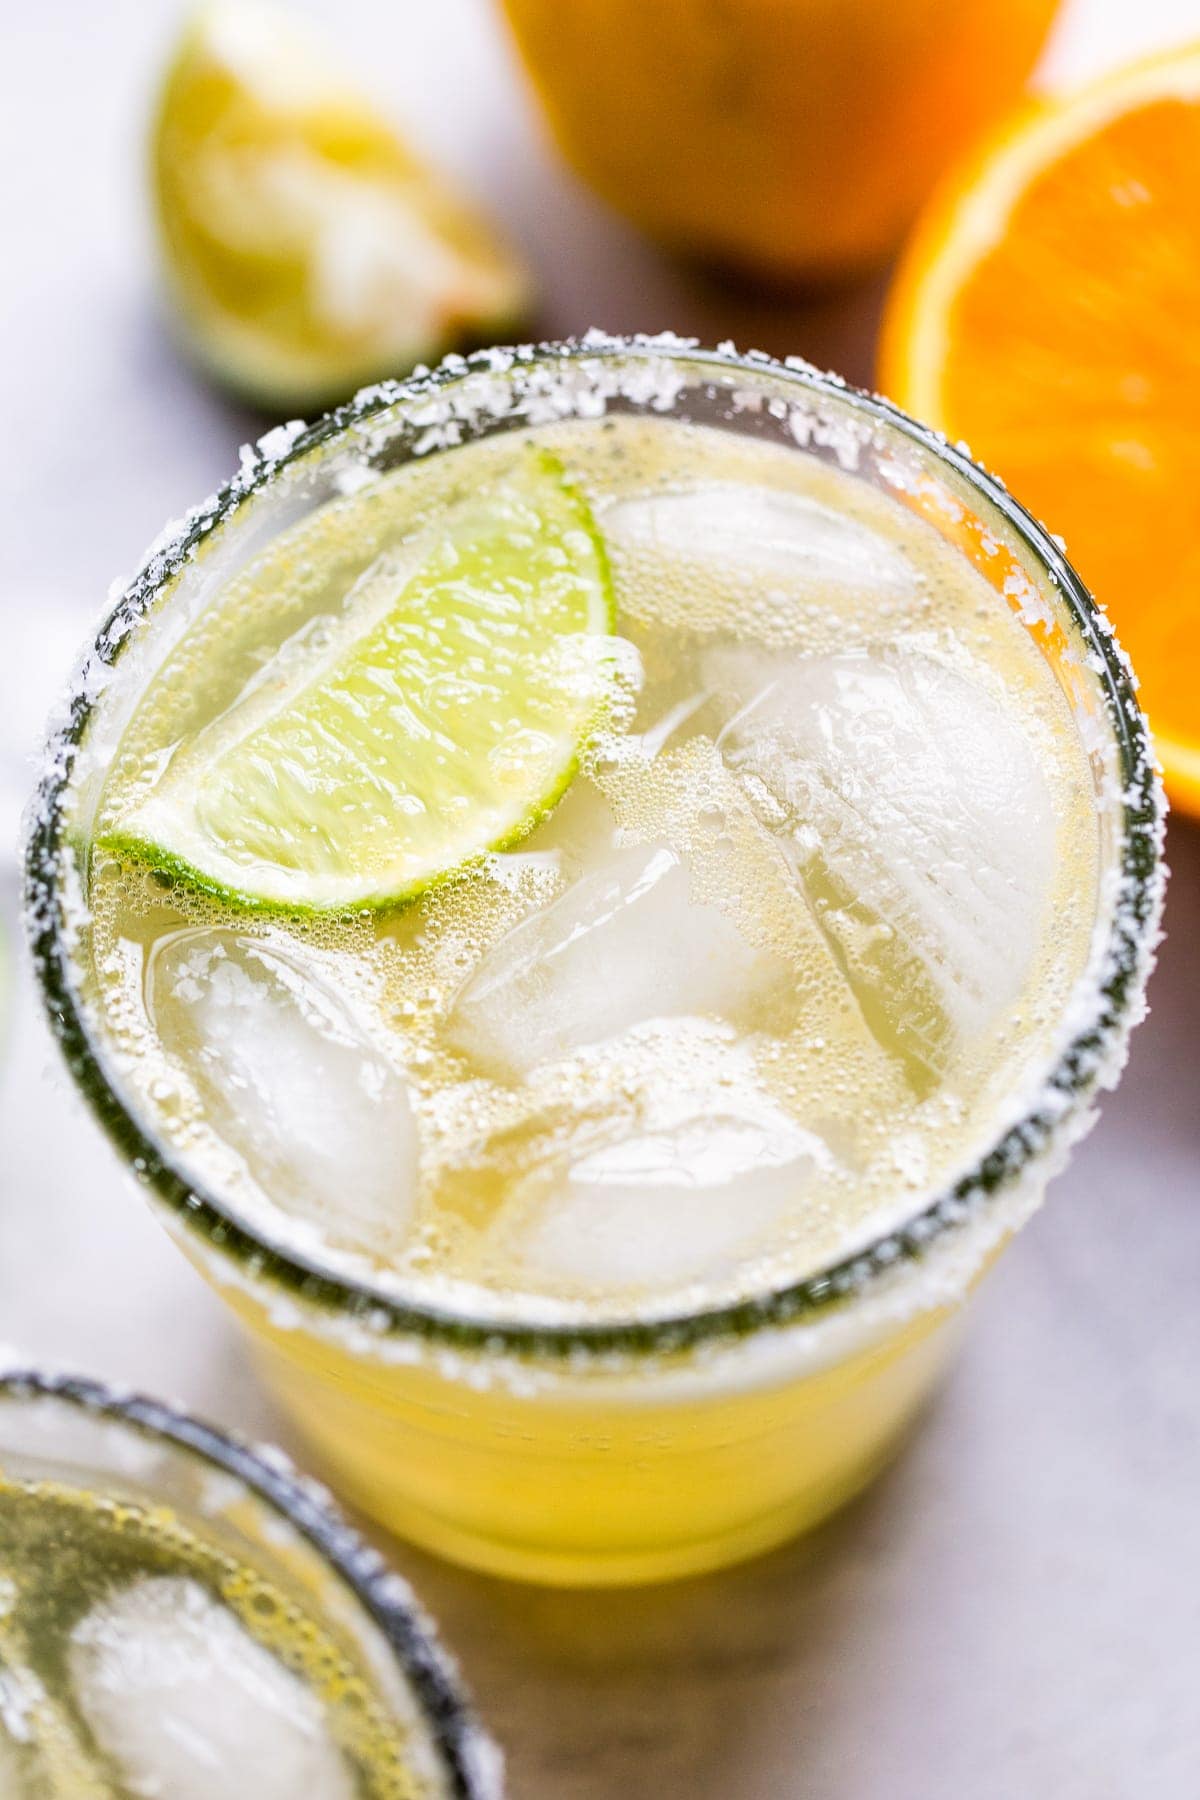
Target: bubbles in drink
[{"x": 802, "y": 922}]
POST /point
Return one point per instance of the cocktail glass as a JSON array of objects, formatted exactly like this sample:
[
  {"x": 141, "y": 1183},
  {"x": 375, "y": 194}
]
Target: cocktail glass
[{"x": 637, "y": 1448}]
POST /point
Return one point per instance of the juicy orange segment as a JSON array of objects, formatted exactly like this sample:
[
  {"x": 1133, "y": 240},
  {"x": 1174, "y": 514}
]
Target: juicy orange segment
[{"x": 1044, "y": 312}]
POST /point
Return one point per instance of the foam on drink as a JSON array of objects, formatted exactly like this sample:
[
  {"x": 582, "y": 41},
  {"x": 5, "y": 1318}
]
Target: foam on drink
[{"x": 807, "y": 917}]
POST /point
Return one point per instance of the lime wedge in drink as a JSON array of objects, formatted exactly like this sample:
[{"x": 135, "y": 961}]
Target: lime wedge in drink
[
  {"x": 307, "y": 249},
  {"x": 440, "y": 715}
]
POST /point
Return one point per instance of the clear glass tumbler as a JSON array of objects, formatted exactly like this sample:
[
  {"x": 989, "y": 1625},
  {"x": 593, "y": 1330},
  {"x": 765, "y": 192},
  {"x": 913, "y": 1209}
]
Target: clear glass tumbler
[{"x": 630, "y": 1449}]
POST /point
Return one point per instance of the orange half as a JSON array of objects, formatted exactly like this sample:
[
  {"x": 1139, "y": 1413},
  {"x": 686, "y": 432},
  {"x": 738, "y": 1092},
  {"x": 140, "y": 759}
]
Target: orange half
[{"x": 1047, "y": 311}]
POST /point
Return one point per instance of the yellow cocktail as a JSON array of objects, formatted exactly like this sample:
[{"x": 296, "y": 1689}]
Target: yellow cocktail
[{"x": 594, "y": 886}]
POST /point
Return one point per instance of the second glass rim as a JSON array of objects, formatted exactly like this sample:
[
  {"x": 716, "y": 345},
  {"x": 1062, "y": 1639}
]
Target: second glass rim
[{"x": 1065, "y": 1088}]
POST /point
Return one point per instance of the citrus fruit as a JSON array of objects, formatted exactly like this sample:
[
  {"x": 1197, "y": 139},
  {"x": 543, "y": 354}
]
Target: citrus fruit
[
  {"x": 306, "y": 249},
  {"x": 1043, "y": 313},
  {"x": 790, "y": 137},
  {"x": 438, "y": 715}
]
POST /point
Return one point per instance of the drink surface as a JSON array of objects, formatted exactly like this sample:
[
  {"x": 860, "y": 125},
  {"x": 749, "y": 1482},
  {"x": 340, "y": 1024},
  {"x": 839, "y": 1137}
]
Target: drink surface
[
  {"x": 797, "y": 937},
  {"x": 140, "y": 1657}
]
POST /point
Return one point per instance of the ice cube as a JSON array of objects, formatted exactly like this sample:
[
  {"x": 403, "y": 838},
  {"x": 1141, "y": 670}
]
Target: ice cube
[
  {"x": 767, "y": 532},
  {"x": 913, "y": 809},
  {"x": 700, "y": 1187},
  {"x": 624, "y": 944},
  {"x": 292, "y": 1081},
  {"x": 189, "y": 1706}
]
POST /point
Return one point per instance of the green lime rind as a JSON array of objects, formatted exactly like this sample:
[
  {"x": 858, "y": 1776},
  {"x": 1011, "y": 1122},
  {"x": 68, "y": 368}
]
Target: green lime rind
[
  {"x": 445, "y": 728},
  {"x": 176, "y": 871}
]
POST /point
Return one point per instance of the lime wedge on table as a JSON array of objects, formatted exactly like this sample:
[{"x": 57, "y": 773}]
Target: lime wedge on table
[
  {"x": 441, "y": 716},
  {"x": 307, "y": 248}
]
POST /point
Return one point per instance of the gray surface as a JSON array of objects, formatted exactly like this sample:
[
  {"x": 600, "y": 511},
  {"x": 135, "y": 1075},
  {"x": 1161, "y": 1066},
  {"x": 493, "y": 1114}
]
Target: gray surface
[{"x": 1015, "y": 1610}]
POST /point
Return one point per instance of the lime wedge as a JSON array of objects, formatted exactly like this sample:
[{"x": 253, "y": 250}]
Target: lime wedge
[
  {"x": 306, "y": 248},
  {"x": 441, "y": 716}
]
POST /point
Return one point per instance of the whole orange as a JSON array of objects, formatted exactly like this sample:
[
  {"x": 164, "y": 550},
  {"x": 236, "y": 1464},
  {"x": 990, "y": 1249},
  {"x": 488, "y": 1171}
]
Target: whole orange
[{"x": 794, "y": 138}]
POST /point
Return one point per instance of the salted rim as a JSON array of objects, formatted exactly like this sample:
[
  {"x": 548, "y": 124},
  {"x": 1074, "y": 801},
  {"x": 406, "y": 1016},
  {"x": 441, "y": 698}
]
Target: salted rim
[
  {"x": 467, "y": 1753},
  {"x": 1091, "y": 1058}
]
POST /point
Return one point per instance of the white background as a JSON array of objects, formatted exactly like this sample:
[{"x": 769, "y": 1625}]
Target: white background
[{"x": 1014, "y": 1612}]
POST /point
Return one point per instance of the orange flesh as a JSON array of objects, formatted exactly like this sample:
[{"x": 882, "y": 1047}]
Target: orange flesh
[{"x": 1072, "y": 368}]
